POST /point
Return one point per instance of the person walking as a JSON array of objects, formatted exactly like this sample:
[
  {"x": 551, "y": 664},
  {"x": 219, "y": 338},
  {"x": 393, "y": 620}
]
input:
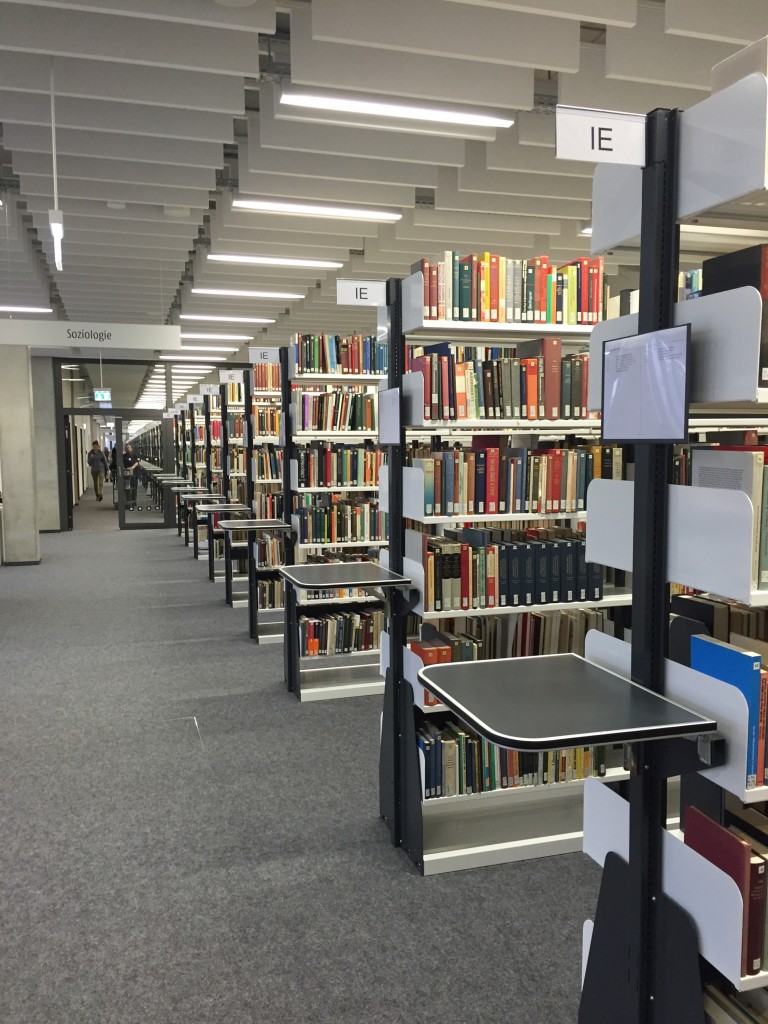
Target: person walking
[
  {"x": 130, "y": 467},
  {"x": 99, "y": 466}
]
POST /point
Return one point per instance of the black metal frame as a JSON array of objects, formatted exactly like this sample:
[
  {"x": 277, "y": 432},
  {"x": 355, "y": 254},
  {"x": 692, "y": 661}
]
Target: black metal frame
[
  {"x": 224, "y": 442},
  {"x": 291, "y": 629}
]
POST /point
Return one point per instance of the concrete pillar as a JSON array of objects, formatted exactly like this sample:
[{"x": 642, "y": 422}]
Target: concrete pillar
[
  {"x": 46, "y": 452},
  {"x": 21, "y": 543}
]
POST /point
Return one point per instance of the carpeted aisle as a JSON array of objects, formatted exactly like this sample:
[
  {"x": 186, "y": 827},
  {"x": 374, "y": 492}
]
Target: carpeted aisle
[{"x": 183, "y": 843}]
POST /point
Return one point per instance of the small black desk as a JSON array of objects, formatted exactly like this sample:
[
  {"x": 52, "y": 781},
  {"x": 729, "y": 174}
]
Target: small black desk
[
  {"x": 556, "y": 700},
  {"x": 253, "y": 527},
  {"x": 211, "y": 509},
  {"x": 192, "y": 502}
]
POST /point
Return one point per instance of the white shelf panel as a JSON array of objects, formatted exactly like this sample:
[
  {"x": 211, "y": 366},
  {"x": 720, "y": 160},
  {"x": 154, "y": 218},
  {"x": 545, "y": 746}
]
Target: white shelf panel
[
  {"x": 412, "y": 408},
  {"x": 520, "y": 793},
  {"x": 342, "y": 544},
  {"x": 413, "y": 505},
  {"x": 321, "y": 602},
  {"x": 412, "y": 664},
  {"x": 266, "y": 439},
  {"x": 725, "y": 346},
  {"x": 710, "y": 536},
  {"x": 363, "y": 688},
  {"x": 266, "y": 394},
  {"x": 699, "y": 692},
  {"x": 415, "y": 324},
  {"x": 333, "y": 435},
  {"x": 718, "y": 916}
]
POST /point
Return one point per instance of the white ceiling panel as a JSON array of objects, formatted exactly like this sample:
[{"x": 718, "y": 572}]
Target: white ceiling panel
[
  {"x": 741, "y": 22},
  {"x": 601, "y": 12},
  {"x": 248, "y": 226},
  {"x": 475, "y": 178},
  {"x": 125, "y": 40},
  {"x": 110, "y": 226},
  {"x": 466, "y": 33},
  {"x": 255, "y": 157},
  {"x": 42, "y": 185},
  {"x": 136, "y": 213},
  {"x": 127, "y": 118},
  {"x": 450, "y": 197},
  {"x": 256, "y": 16},
  {"x": 535, "y": 128},
  {"x": 591, "y": 88},
  {"x": 147, "y": 149},
  {"x": 366, "y": 142},
  {"x": 646, "y": 54},
  {"x": 508, "y": 154},
  {"x": 26, "y": 72},
  {"x": 125, "y": 171},
  {"x": 326, "y": 190},
  {"x": 482, "y": 222},
  {"x": 314, "y": 62}
]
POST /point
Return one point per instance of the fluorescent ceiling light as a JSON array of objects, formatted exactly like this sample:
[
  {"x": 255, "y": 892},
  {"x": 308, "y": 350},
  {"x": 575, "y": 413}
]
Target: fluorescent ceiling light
[
  {"x": 73, "y": 378},
  {"x": 225, "y": 319},
  {"x": 206, "y": 348},
  {"x": 236, "y": 293},
  {"x": 195, "y": 359},
  {"x": 275, "y": 261},
  {"x": 25, "y": 309},
  {"x": 585, "y": 231},
  {"x": 314, "y": 210},
  {"x": 216, "y": 337},
  {"x": 711, "y": 229},
  {"x": 70, "y": 366},
  {"x": 56, "y": 222},
  {"x": 316, "y": 101}
]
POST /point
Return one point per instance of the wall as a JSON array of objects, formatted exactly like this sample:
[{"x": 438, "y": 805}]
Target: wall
[
  {"x": 46, "y": 462},
  {"x": 21, "y": 543}
]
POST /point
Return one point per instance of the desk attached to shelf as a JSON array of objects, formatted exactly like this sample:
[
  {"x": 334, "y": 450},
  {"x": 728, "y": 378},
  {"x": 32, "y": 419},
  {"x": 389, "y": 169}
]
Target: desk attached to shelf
[
  {"x": 253, "y": 528},
  {"x": 210, "y": 510}
]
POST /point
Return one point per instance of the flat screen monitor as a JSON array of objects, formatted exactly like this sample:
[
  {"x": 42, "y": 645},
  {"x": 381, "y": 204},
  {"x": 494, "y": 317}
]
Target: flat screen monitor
[{"x": 645, "y": 387}]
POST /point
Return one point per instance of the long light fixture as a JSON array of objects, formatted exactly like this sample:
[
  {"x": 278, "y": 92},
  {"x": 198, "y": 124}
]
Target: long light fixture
[
  {"x": 25, "y": 309},
  {"x": 238, "y": 293},
  {"x": 274, "y": 261},
  {"x": 226, "y": 319},
  {"x": 55, "y": 216},
  {"x": 215, "y": 337},
  {"x": 314, "y": 210},
  {"x": 206, "y": 348},
  {"x": 195, "y": 359},
  {"x": 376, "y": 108}
]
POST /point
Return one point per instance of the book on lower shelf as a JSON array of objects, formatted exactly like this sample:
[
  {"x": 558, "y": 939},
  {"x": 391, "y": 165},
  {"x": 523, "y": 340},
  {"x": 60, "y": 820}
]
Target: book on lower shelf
[
  {"x": 343, "y": 408},
  {"x": 334, "y": 354},
  {"x": 334, "y": 633},
  {"x": 341, "y": 521},
  {"x": 330, "y": 464}
]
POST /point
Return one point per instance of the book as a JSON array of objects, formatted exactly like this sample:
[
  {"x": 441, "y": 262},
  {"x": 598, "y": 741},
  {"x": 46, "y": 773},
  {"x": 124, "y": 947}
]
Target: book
[
  {"x": 738, "y": 668},
  {"x": 733, "y": 856},
  {"x": 744, "y": 267}
]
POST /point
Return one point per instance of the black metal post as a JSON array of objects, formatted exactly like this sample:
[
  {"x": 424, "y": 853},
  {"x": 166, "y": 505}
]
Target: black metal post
[
  {"x": 291, "y": 625},
  {"x": 208, "y": 439},
  {"x": 253, "y": 589},
  {"x": 248, "y": 436},
  {"x": 224, "y": 443}
]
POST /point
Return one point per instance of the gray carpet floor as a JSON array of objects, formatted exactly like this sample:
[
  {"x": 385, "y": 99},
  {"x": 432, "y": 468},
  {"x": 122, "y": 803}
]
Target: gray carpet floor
[{"x": 183, "y": 842}]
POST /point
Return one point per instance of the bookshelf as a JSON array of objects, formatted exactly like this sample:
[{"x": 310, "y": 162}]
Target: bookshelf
[
  {"x": 330, "y": 487},
  {"x": 510, "y": 822}
]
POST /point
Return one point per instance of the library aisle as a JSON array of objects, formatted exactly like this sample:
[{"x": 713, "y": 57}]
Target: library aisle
[{"x": 185, "y": 843}]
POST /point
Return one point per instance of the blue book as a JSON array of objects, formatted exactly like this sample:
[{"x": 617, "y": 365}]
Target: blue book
[{"x": 740, "y": 669}]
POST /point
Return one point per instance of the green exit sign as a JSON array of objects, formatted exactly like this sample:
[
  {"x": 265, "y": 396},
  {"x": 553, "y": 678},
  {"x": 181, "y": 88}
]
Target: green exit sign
[{"x": 102, "y": 394}]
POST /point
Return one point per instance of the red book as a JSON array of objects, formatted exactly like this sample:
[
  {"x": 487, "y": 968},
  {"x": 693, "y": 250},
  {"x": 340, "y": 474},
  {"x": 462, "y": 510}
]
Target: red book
[
  {"x": 433, "y": 291},
  {"x": 531, "y": 387},
  {"x": 445, "y": 387},
  {"x": 466, "y": 576},
  {"x": 492, "y": 568},
  {"x": 423, "y": 266},
  {"x": 733, "y": 856},
  {"x": 492, "y": 481},
  {"x": 421, "y": 364},
  {"x": 426, "y": 651},
  {"x": 494, "y": 295},
  {"x": 541, "y": 267}
]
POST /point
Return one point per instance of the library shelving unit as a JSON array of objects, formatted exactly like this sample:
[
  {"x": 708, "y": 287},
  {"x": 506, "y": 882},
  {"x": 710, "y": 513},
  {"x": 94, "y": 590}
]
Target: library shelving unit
[
  {"x": 505, "y": 824},
  {"x": 321, "y": 675},
  {"x": 257, "y": 533},
  {"x": 179, "y": 427},
  {"x": 265, "y": 497},
  {"x": 196, "y": 442}
]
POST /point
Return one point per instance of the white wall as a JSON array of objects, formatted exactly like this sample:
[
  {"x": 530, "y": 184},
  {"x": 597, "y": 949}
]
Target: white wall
[{"x": 46, "y": 461}]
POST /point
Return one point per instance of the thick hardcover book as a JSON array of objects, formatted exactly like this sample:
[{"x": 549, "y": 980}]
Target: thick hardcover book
[
  {"x": 465, "y": 289},
  {"x": 715, "y": 615},
  {"x": 681, "y": 629},
  {"x": 423, "y": 266},
  {"x": 733, "y": 856},
  {"x": 488, "y": 391},
  {"x": 736, "y": 270},
  {"x": 741, "y": 669}
]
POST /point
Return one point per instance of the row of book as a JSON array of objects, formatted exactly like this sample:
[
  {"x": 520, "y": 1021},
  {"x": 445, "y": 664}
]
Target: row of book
[
  {"x": 689, "y": 284},
  {"x": 473, "y": 568},
  {"x": 341, "y": 522},
  {"x": 456, "y": 761},
  {"x": 236, "y": 460},
  {"x": 328, "y": 464},
  {"x": 334, "y": 633},
  {"x": 487, "y": 637},
  {"x": 722, "y": 619},
  {"x": 506, "y": 481},
  {"x": 268, "y": 464},
  {"x": 341, "y": 409},
  {"x": 268, "y": 505},
  {"x": 266, "y": 420},
  {"x": 266, "y": 377},
  {"x": 270, "y": 593},
  {"x": 335, "y": 593},
  {"x": 234, "y": 393},
  {"x": 332, "y": 353},
  {"x": 538, "y": 383},
  {"x": 494, "y": 289},
  {"x": 235, "y": 425}
]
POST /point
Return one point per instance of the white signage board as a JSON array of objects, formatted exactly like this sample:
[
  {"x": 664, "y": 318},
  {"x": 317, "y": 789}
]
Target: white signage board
[
  {"x": 74, "y": 334},
  {"x": 195, "y": 399},
  {"x": 231, "y": 376},
  {"x": 361, "y": 293},
  {"x": 168, "y": 414},
  {"x": 180, "y": 409},
  {"x": 600, "y": 136},
  {"x": 264, "y": 355},
  {"x": 209, "y": 389}
]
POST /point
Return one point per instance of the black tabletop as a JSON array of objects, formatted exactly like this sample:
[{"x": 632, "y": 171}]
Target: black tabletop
[
  {"x": 556, "y": 700},
  {"x": 342, "y": 574},
  {"x": 223, "y": 507}
]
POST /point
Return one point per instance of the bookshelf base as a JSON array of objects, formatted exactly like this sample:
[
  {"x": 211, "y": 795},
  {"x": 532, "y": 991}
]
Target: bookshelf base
[{"x": 330, "y": 682}]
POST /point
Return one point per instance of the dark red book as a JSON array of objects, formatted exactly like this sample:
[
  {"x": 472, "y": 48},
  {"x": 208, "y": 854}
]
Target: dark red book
[{"x": 733, "y": 856}]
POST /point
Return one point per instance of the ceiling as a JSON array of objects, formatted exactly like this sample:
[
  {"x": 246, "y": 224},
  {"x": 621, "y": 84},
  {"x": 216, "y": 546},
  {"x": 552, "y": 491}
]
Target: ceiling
[{"x": 167, "y": 110}]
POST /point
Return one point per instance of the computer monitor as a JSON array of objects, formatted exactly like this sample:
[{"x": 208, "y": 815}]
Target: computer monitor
[{"x": 645, "y": 387}]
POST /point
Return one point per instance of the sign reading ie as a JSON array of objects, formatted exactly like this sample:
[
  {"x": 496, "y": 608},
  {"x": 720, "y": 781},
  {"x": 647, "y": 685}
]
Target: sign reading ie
[{"x": 600, "y": 136}]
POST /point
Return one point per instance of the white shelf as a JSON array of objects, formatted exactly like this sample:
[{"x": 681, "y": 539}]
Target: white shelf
[
  {"x": 266, "y": 394},
  {"x": 266, "y": 439},
  {"x": 720, "y": 372},
  {"x": 338, "y": 378},
  {"x": 415, "y": 324},
  {"x": 413, "y": 505},
  {"x": 333, "y": 435},
  {"x": 701, "y": 693},
  {"x": 710, "y": 536},
  {"x": 323, "y": 601},
  {"x": 342, "y": 544},
  {"x": 711, "y": 897},
  {"x": 265, "y": 480},
  {"x": 413, "y": 417},
  {"x": 547, "y": 790}
]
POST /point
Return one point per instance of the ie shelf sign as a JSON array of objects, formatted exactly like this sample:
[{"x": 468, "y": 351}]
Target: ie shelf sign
[{"x": 600, "y": 136}]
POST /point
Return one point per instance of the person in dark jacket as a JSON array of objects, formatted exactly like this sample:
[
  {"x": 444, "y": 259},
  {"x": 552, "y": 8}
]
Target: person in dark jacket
[{"x": 99, "y": 466}]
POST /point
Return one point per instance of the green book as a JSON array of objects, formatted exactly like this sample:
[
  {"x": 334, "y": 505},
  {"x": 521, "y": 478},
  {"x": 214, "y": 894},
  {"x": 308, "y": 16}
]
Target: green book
[{"x": 465, "y": 291}]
